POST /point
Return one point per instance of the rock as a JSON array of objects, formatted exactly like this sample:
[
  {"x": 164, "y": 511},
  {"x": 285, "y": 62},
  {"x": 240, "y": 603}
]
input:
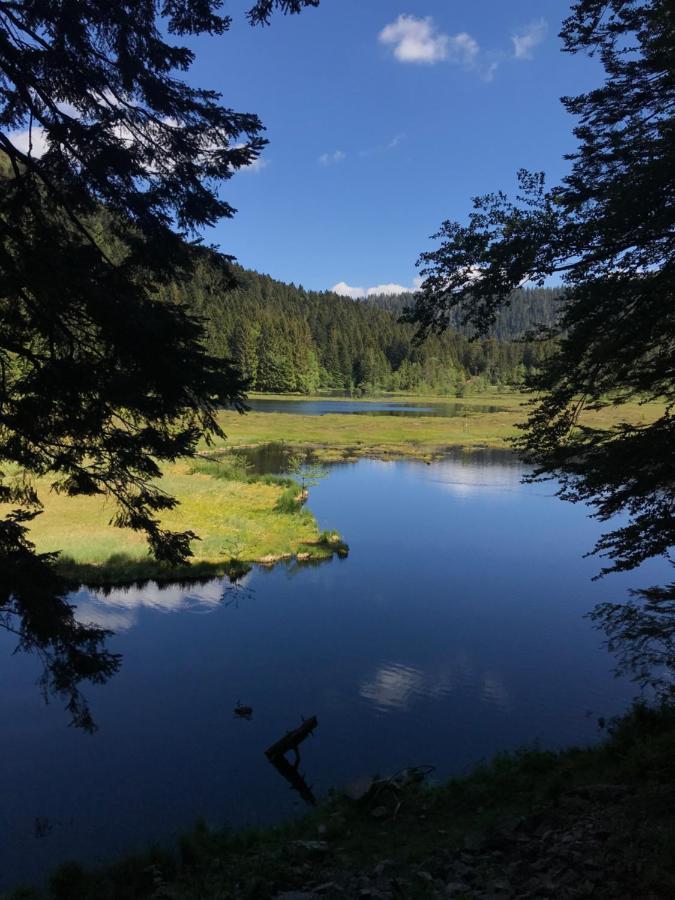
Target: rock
[
  {"x": 501, "y": 885},
  {"x": 310, "y": 846},
  {"x": 574, "y": 802},
  {"x": 326, "y": 887},
  {"x": 456, "y": 889},
  {"x": 296, "y": 895},
  {"x": 600, "y": 791},
  {"x": 358, "y": 789},
  {"x": 474, "y": 842},
  {"x": 462, "y": 871},
  {"x": 382, "y": 867}
]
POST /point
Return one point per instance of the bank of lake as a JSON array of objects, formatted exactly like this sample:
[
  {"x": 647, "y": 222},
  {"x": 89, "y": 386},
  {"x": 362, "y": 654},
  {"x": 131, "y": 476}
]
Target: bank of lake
[{"x": 243, "y": 519}]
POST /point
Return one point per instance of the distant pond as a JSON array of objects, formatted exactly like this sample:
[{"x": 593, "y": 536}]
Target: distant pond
[
  {"x": 442, "y": 409},
  {"x": 454, "y": 629}
]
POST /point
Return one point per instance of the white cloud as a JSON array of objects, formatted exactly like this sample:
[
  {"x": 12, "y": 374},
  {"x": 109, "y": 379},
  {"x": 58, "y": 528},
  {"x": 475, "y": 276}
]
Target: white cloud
[
  {"x": 395, "y": 141},
  {"x": 488, "y": 69},
  {"x": 329, "y": 159},
  {"x": 37, "y": 136},
  {"x": 415, "y": 40},
  {"x": 389, "y": 288},
  {"x": 346, "y": 290},
  {"x": 463, "y": 49},
  {"x": 418, "y": 41},
  {"x": 384, "y": 148},
  {"x": 528, "y": 38},
  {"x": 256, "y": 166},
  {"x": 358, "y": 293}
]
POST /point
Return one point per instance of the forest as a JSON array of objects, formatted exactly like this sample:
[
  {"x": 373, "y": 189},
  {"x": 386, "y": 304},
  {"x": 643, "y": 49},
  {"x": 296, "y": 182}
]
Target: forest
[{"x": 286, "y": 339}]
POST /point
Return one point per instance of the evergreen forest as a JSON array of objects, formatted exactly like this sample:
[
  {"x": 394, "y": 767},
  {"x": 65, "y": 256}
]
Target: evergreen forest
[{"x": 286, "y": 339}]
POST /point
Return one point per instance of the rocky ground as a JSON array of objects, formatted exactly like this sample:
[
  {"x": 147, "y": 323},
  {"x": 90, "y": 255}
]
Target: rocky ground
[
  {"x": 594, "y": 823},
  {"x": 595, "y": 843}
]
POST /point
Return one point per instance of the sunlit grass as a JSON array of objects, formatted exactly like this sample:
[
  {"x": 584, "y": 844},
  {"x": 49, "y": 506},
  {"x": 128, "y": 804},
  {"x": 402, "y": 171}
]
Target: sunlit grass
[
  {"x": 235, "y": 520},
  {"x": 247, "y": 519},
  {"x": 335, "y": 435}
]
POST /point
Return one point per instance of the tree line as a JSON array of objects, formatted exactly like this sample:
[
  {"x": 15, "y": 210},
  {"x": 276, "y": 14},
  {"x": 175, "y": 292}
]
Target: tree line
[{"x": 284, "y": 339}]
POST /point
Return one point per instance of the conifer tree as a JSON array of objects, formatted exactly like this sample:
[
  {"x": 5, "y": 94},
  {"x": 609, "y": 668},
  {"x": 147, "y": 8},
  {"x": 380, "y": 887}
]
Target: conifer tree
[{"x": 608, "y": 230}]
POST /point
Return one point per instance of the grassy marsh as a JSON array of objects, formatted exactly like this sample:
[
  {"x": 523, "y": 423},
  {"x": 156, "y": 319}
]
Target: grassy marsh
[
  {"x": 242, "y": 519},
  {"x": 335, "y": 436},
  {"x": 238, "y": 519}
]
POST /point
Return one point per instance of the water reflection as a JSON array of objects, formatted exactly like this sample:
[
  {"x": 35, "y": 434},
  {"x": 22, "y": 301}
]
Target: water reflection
[
  {"x": 444, "y": 409},
  {"x": 402, "y": 688},
  {"x": 277, "y": 755},
  {"x": 393, "y": 686},
  {"x": 274, "y": 458},
  {"x": 462, "y": 473},
  {"x": 481, "y": 467},
  {"x": 118, "y": 609},
  {"x": 36, "y": 612},
  {"x": 455, "y": 629}
]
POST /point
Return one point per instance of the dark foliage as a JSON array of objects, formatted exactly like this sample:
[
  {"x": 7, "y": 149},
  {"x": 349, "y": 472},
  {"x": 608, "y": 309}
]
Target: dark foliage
[
  {"x": 528, "y": 311},
  {"x": 260, "y": 14},
  {"x": 101, "y": 378},
  {"x": 609, "y": 229},
  {"x": 32, "y": 606},
  {"x": 642, "y": 635}
]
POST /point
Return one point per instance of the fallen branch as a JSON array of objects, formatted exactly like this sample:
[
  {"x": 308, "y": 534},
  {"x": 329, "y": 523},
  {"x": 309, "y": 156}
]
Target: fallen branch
[{"x": 292, "y": 739}]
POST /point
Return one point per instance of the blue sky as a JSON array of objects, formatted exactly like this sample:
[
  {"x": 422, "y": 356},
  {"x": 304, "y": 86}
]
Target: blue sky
[{"x": 384, "y": 118}]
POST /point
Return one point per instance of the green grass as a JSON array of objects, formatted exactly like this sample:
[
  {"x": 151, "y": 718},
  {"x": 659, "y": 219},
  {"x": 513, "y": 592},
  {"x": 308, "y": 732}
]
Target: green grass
[
  {"x": 238, "y": 521},
  {"x": 242, "y": 518},
  {"x": 335, "y": 436}
]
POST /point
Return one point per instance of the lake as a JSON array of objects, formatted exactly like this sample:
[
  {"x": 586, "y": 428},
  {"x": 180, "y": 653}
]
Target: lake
[
  {"x": 454, "y": 629},
  {"x": 443, "y": 409}
]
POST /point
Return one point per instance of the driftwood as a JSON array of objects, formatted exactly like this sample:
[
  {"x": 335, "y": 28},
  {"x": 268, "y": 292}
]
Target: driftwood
[
  {"x": 276, "y": 754},
  {"x": 292, "y": 739},
  {"x": 297, "y": 781}
]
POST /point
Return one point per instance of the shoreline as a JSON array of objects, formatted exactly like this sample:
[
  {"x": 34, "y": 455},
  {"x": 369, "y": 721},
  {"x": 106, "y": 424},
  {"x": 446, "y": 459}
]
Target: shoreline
[
  {"x": 244, "y": 520},
  {"x": 241, "y": 520},
  {"x": 137, "y": 573},
  {"x": 572, "y": 823}
]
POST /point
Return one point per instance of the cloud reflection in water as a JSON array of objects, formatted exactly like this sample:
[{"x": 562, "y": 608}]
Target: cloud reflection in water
[
  {"x": 118, "y": 609},
  {"x": 496, "y": 472},
  {"x": 396, "y": 687}
]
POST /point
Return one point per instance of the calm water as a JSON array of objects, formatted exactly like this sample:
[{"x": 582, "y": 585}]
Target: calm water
[
  {"x": 454, "y": 629},
  {"x": 446, "y": 410}
]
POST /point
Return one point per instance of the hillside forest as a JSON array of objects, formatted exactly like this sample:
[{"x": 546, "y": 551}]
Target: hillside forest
[{"x": 286, "y": 339}]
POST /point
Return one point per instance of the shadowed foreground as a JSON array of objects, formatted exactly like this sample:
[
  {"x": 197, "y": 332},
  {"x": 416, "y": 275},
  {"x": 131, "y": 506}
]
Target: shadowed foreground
[{"x": 584, "y": 822}]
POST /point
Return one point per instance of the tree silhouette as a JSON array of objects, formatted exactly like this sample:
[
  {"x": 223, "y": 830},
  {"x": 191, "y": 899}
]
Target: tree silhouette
[
  {"x": 609, "y": 231},
  {"x": 34, "y": 608},
  {"x": 111, "y": 163}
]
